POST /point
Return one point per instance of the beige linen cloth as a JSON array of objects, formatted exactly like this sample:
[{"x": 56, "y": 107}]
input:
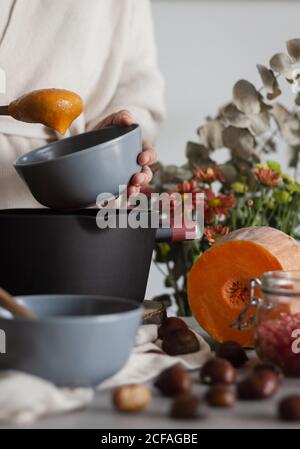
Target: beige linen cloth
[{"x": 24, "y": 398}]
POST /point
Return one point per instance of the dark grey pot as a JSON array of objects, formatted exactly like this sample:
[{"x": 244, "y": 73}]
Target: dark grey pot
[
  {"x": 77, "y": 340},
  {"x": 69, "y": 174}
]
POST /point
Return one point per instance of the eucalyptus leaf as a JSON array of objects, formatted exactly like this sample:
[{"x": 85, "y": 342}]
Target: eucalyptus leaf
[
  {"x": 198, "y": 155},
  {"x": 235, "y": 117},
  {"x": 174, "y": 174},
  {"x": 264, "y": 107},
  {"x": 243, "y": 166},
  {"x": 296, "y": 81},
  {"x": 259, "y": 123},
  {"x": 196, "y": 150},
  {"x": 245, "y": 97},
  {"x": 169, "y": 176},
  {"x": 269, "y": 146},
  {"x": 251, "y": 180},
  {"x": 229, "y": 172},
  {"x": 294, "y": 151},
  {"x": 170, "y": 186},
  {"x": 157, "y": 170},
  {"x": 293, "y": 48},
  {"x": 211, "y": 134},
  {"x": 282, "y": 64},
  {"x": 269, "y": 81},
  {"x": 255, "y": 123},
  {"x": 240, "y": 141},
  {"x": 281, "y": 113},
  {"x": 287, "y": 122},
  {"x": 186, "y": 166}
]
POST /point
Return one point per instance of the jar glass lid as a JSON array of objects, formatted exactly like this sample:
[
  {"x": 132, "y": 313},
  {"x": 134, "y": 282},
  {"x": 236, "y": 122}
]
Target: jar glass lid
[{"x": 281, "y": 283}]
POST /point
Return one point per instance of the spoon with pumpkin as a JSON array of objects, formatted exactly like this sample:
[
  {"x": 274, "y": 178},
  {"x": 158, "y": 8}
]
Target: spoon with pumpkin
[{"x": 54, "y": 108}]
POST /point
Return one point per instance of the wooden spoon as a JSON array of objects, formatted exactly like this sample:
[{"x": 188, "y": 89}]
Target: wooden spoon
[
  {"x": 17, "y": 310},
  {"x": 55, "y": 108}
]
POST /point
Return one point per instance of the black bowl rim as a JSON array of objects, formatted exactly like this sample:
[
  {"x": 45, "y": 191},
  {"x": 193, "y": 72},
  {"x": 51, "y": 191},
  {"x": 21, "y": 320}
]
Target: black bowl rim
[
  {"x": 88, "y": 319},
  {"x": 20, "y": 164}
]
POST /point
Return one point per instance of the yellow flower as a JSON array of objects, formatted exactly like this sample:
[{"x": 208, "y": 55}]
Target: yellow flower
[{"x": 239, "y": 187}]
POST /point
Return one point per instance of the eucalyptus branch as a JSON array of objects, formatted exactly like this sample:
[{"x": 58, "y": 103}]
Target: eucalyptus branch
[{"x": 264, "y": 195}]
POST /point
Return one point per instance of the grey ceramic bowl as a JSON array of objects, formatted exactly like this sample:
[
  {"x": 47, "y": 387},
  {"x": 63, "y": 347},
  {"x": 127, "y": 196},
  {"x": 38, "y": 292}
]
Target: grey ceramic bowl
[
  {"x": 77, "y": 340},
  {"x": 70, "y": 173}
]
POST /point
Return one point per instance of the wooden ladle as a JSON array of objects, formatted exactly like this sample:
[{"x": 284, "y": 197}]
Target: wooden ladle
[
  {"x": 17, "y": 310},
  {"x": 55, "y": 108}
]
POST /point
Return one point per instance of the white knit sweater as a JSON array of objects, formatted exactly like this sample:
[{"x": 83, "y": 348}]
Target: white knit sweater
[{"x": 102, "y": 49}]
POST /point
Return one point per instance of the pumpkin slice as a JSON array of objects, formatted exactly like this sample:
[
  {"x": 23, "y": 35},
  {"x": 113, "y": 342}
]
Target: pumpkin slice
[{"x": 218, "y": 284}]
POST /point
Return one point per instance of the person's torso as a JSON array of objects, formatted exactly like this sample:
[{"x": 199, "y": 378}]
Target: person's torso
[{"x": 72, "y": 44}]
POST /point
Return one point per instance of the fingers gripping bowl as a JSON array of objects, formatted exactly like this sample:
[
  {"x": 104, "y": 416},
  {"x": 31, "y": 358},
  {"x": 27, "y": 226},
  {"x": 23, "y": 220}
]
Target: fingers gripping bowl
[
  {"x": 77, "y": 340},
  {"x": 69, "y": 174}
]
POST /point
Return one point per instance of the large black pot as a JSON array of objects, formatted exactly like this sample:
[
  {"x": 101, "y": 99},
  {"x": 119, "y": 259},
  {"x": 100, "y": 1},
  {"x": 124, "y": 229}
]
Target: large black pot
[{"x": 44, "y": 252}]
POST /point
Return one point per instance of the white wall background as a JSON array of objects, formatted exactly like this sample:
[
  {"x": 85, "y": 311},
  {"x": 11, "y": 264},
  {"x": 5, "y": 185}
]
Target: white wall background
[{"x": 204, "y": 47}]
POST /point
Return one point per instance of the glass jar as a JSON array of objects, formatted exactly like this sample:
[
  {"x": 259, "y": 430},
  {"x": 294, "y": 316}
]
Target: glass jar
[{"x": 276, "y": 320}]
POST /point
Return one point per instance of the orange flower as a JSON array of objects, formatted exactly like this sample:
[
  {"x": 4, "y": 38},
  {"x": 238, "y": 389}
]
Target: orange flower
[
  {"x": 217, "y": 205},
  {"x": 188, "y": 187},
  {"x": 267, "y": 176},
  {"x": 209, "y": 175},
  {"x": 213, "y": 233}
]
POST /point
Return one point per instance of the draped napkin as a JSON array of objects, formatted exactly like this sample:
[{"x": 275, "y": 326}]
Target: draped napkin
[{"x": 24, "y": 398}]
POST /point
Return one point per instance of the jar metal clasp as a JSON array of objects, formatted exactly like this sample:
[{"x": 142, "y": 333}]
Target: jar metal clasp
[{"x": 240, "y": 323}]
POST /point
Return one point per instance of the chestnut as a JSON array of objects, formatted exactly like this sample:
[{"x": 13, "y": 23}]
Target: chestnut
[
  {"x": 169, "y": 325},
  {"x": 252, "y": 362},
  {"x": 173, "y": 381},
  {"x": 260, "y": 367},
  {"x": 131, "y": 398},
  {"x": 259, "y": 385},
  {"x": 233, "y": 352},
  {"x": 289, "y": 408},
  {"x": 216, "y": 371},
  {"x": 220, "y": 396},
  {"x": 188, "y": 406},
  {"x": 180, "y": 341}
]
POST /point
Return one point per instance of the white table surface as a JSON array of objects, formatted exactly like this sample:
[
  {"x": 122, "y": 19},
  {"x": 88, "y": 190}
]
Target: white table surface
[{"x": 101, "y": 415}]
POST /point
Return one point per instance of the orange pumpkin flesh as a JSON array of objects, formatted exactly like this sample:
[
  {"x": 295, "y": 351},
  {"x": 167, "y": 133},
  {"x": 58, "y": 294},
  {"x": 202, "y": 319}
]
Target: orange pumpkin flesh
[
  {"x": 218, "y": 284},
  {"x": 55, "y": 108}
]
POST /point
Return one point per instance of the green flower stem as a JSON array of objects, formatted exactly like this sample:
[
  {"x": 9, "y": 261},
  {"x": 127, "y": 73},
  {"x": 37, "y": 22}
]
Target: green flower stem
[
  {"x": 159, "y": 268},
  {"x": 259, "y": 207},
  {"x": 234, "y": 215}
]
